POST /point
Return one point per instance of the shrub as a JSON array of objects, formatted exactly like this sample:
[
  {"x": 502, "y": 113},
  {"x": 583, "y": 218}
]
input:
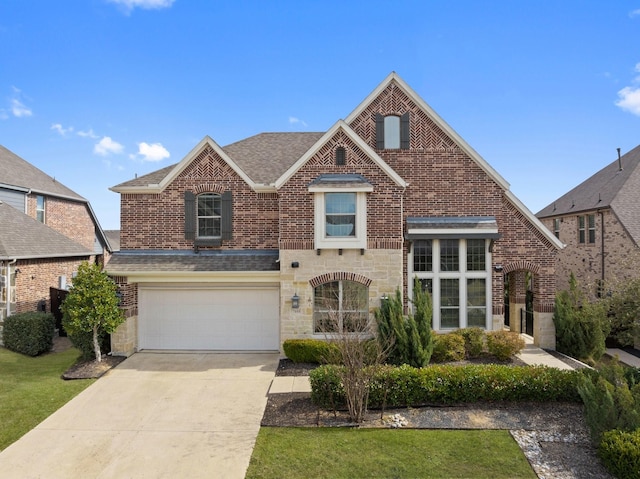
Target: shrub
[
  {"x": 29, "y": 333},
  {"x": 407, "y": 339},
  {"x": 403, "y": 386},
  {"x": 620, "y": 453},
  {"x": 83, "y": 342},
  {"x": 581, "y": 326},
  {"x": 624, "y": 313},
  {"x": 448, "y": 347},
  {"x": 310, "y": 351},
  {"x": 474, "y": 341},
  {"x": 504, "y": 344}
]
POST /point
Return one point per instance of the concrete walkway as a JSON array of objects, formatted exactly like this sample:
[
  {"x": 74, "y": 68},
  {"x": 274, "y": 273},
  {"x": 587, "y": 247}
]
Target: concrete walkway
[
  {"x": 165, "y": 415},
  {"x": 624, "y": 357},
  {"x": 535, "y": 356}
]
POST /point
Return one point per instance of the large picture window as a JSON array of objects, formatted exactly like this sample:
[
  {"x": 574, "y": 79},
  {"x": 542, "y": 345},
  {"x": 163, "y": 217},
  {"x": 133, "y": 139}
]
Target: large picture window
[
  {"x": 341, "y": 307},
  {"x": 457, "y": 274}
]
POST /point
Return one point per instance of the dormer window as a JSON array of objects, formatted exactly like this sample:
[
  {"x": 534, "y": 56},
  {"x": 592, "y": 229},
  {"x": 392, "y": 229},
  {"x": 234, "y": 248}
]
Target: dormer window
[{"x": 393, "y": 132}]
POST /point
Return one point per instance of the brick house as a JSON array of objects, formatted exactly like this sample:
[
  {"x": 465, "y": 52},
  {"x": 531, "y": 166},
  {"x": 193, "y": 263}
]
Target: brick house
[
  {"x": 46, "y": 231},
  {"x": 599, "y": 221},
  {"x": 238, "y": 248}
]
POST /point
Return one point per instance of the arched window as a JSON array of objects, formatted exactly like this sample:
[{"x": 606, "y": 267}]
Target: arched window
[{"x": 341, "y": 307}]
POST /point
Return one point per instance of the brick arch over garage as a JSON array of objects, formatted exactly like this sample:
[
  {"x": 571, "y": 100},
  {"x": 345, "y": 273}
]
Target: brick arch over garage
[{"x": 339, "y": 276}]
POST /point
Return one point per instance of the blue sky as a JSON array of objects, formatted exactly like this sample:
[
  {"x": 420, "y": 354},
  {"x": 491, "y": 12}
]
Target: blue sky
[{"x": 94, "y": 92}]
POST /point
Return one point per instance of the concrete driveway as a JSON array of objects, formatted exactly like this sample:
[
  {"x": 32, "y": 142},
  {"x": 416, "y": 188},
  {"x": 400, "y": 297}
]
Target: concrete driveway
[{"x": 157, "y": 415}]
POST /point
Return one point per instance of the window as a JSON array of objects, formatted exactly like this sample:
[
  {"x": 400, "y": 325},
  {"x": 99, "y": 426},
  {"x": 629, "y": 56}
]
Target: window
[
  {"x": 592, "y": 228},
  {"x": 393, "y": 132},
  {"x": 587, "y": 229},
  {"x": 341, "y": 306},
  {"x": 208, "y": 218},
  {"x": 556, "y": 227},
  {"x": 209, "y": 215},
  {"x": 40, "y": 208},
  {"x": 457, "y": 273},
  {"x": 340, "y": 214},
  {"x": 341, "y": 156}
]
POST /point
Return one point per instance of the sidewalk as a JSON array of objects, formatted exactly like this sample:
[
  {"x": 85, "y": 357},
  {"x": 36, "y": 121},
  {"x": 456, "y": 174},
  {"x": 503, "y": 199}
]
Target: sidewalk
[
  {"x": 535, "y": 356},
  {"x": 624, "y": 357}
]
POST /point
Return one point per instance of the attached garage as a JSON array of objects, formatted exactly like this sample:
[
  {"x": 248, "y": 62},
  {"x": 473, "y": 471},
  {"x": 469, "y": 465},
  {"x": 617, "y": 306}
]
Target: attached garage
[{"x": 234, "y": 317}]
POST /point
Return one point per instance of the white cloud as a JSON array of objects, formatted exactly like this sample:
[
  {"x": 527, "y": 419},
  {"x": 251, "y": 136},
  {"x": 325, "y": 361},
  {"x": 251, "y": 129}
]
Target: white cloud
[
  {"x": 634, "y": 13},
  {"x": 629, "y": 96},
  {"x": 87, "y": 134},
  {"x": 61, "y": 130},
  {"x": 129, "y": 5},
  {"x": 294, "y": 121},
  {"x": 107, "y": 146},
  {"x": 152, "y": 152},
  {"x": 19, "y": 109}
]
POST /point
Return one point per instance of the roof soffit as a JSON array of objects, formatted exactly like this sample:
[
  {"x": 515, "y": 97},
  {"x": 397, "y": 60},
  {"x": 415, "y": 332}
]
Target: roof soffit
[{"x": 340, "y": 125}]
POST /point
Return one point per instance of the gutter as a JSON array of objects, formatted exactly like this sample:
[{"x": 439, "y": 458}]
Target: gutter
[
  {"x": 602, "y": 263},
  {"x": 7, "y": 286}
]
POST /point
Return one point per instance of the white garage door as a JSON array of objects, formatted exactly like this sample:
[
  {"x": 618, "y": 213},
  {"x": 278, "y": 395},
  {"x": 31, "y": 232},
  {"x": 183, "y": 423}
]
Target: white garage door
[{"x": 204, "y": 317}]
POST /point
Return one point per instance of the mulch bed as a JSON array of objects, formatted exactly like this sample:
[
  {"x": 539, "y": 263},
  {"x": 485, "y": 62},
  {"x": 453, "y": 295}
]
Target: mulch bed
[{"x": 92, "y": 369}]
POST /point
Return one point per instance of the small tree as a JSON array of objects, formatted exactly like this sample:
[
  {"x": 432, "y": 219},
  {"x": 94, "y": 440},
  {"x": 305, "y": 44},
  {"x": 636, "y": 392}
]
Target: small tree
[
  {"x": 581, "y": 326},
  {"x": 624, "y": 313},
  {"x": 409, "y": 336},
  {"x": 92, "y": 305}
]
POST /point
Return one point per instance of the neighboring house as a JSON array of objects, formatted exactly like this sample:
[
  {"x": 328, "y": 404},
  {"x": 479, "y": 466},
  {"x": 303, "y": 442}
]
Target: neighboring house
[
  {"x": 114, "y": 239},
  {"x": 46, "y": 231},
  {"x": 599, "y": 221},
  {"x": 242, "y": 247}
]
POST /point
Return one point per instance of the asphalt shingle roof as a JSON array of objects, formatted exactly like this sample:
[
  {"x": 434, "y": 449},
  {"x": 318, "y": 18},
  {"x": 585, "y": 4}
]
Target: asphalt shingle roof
[
  {"x": 14, "y": 171},
  {"x": 133, "y": 261},
  {"x": 263, "y": 158},
  {"x": 611, "y": 187},
  {"x": 22, "y": 237}
]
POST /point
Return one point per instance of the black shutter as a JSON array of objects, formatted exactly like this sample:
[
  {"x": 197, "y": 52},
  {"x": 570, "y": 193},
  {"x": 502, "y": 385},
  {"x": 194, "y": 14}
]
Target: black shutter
[
  {"x": 405, "y": 132},
  {"x": 379, "y": 131},
  {"x": 189, "y": 215},
  {"x": 227, "y": 216}
]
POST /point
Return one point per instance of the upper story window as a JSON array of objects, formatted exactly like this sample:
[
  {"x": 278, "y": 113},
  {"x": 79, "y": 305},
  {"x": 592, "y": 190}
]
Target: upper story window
[
  {"x": 40, "y": 208},
  {"x": 340, "y": 206},
  {"x": 209, "y": 215},
  {"x": 587, "y": 229},
  {"x": 556, "y": 227},
  {"x": 208, "y": 218},
  {"x": 393, "y": 132}
]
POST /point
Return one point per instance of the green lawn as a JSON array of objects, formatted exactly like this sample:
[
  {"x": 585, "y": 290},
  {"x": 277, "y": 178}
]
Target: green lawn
[
  {"x": 386, "y": 453},
  {"x": 31, "y": 389}
]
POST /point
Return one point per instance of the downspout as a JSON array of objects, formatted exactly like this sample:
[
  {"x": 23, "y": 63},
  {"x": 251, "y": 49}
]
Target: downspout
[
  {"x": 601, "y": 247},
  {"x": 7, "y": 286}
]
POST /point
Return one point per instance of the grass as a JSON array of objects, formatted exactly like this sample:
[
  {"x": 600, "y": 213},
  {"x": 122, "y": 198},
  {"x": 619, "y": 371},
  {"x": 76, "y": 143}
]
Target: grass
[
  {"x": 31, "y": 389},
  {"x": 386, "y": 453}
]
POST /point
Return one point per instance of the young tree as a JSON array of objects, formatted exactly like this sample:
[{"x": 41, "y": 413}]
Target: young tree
[{"x": 92, "y": 305}]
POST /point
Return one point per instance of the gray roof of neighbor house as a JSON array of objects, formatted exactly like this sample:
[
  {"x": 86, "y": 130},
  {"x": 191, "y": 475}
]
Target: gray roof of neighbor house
[
  {"x": 114, "y": 239},
  {"x": 263, "y": 157},
  {"x": 19, "y": 173},
  {"x": 22, "y": 237},
  {"x": 611, "y": 187},
  {"x": 152, "y": 261},
  {"x": 14, "y": 171}
]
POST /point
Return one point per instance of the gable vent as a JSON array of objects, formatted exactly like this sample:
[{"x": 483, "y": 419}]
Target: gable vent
[{"x": 341, "y": 155}]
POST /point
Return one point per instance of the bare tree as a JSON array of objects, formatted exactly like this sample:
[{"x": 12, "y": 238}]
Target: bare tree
[{"x": 342, "y": 315}]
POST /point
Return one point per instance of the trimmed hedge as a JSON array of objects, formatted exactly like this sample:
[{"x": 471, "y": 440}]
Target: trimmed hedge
[
  {"x": 29, "y": 333},
  {"x": 310, "y": 350},
  {"x": 620, "y": 453},
  {"x": 445, "y": 384},
  {"x": 474, "y": 341}
]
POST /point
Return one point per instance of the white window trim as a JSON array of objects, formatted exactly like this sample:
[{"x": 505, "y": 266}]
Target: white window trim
[
  {"x": 462, "y": 275},
  {"x": 219, "y": 217},
  {"x": 359, "y": 240},
  {"x": 341, "y": 310}
]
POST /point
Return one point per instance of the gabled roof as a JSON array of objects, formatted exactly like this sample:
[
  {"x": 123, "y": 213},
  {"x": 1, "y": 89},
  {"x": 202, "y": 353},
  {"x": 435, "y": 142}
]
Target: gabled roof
[
  {"x": 443, "y": 125},
  {"x": 611, "y": 187},
  {"x": 340, "y": 125},
  {"x": 22, "y": 237},
  {"x": 16, "y": 172}
]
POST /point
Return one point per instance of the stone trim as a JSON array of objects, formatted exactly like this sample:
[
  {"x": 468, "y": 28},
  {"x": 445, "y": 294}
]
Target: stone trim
[{"x": 339, "y": 276}]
